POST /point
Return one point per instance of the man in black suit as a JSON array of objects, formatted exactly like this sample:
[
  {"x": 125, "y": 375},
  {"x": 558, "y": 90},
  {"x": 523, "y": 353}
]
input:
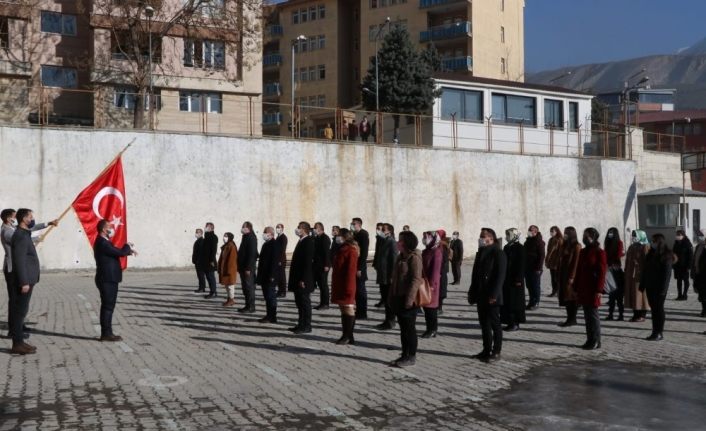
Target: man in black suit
[
  {"x": 379, "y": 239},
  {"x": 486, "y": 290},
  {"x": 247, "y": 261},
  {"x": 267, "y": 273},
  {"x": 361, "y": 295},
  {"x": 25, "y": 266},
  {"x": 109, "y": 274},
  {"x": 198, "y": 244},
  {"x": 385, "y": 265},
  {"x": 322, "y": 264},
  {"x": 457, "y": 257},
  {"x": 301, "y": 277},
  {"x": 282, "y": 274},
  {"x": 207, "y": 258}
]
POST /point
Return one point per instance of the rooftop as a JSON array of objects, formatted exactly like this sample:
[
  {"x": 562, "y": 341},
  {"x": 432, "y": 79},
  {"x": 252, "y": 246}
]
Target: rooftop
[
  {"x": 673, "y": 191},
  {"x": 669, "y": 116},
  {"x": 450, "y": 76}
]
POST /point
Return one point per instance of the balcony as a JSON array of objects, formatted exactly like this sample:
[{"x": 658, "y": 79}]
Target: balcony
[
  {"x": 272, "y": 60},
  {"x": 426, "y": 4},
  {"x": 445, "y": 32},
  {"x": 272, "y": 119},
  {"x": 274, "y": 30},
  {"x": 457, "y": 64},
  {"x": 272, "y": 89}
]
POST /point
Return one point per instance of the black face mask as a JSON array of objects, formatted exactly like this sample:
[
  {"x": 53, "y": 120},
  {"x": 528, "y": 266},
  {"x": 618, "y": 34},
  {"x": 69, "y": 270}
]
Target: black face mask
[{"x": 587, "y": 242}]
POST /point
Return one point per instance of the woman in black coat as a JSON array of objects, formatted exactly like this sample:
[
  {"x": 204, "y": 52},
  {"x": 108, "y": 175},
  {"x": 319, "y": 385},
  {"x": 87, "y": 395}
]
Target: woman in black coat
[
  {"x": 444, "y": 280},
  {"x": 684, "y": 251},
  {"x": 655, "y": 281},
  {"x": 513, "y": 310}
]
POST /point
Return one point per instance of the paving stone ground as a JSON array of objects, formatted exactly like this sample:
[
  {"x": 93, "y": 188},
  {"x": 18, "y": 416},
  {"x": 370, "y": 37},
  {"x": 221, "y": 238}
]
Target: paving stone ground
[{"x": 188, "y": 364}]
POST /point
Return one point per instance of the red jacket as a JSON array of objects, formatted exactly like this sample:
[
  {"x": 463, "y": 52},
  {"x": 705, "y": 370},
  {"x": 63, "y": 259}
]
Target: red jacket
[
  {"x": 590, "y": 276},
  {"x": 343, "y": 278}
]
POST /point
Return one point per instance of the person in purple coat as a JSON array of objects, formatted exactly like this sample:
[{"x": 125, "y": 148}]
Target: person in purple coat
[{"x": 431, "y": 271}]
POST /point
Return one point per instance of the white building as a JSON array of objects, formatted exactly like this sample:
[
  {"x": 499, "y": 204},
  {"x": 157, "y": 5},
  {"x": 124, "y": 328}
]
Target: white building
[{"x": 660, "y": 211}]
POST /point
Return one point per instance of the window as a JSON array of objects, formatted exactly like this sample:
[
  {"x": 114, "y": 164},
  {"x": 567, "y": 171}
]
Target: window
[
  {"x": 54, "y": 22},
  {"x": 312, "y": 101},
  {"x": 322, "y": 71},
  {"x": 55, "y": 76},
  {"x": 304, "y": 15},
  {"x": 573, "y": 116},
  {"x": 303, "y": 45},
  {"x": 465, "y": 105},
  {"x": 373, "y": 4},
  {"x": 305, "y": 74},
  {"x": 514, "y": 109},
  {"x": 295, "y": 17},
  {"x": 313, "y": 43},
  {"x": 322, "y": 11},
  {"x": 383, "y": 3},
  {"x": 191, "y": 101},
  {"x": 322, "y": 100},
  {"x": 503, "y": 66},
  {"x": 312, "y": 73},
  {"x": 121, "y": 47},
  {"x": 502, "y": 34},
  {"x": 663, "y": 215},
  {"x": 204, "y": 53},
  {"x": 4, "y": 32},
  {"x": 656, "y": 98},
  {"x": 322, "y": 41},
  {"x": 312, "y": 13},
  {"x": 553, "y": 114},
  {"x": 125, "y": 98}
]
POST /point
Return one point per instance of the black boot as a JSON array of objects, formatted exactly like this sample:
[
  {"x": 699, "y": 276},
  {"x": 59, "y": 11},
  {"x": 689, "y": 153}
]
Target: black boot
[
  {"x": 348, "y": 323},
  {"x": 611, "y": 309}
]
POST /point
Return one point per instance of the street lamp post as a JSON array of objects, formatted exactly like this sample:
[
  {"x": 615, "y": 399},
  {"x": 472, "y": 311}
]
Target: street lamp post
[
  {"x": 294, "y": 43},
  {"x": 378, "y": 123},
  {"x": 149, "y": 12}
]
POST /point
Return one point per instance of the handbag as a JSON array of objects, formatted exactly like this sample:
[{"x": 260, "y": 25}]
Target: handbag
[
  {"x": 423, "y": 296},
  {"x": 610, "y": 286}
]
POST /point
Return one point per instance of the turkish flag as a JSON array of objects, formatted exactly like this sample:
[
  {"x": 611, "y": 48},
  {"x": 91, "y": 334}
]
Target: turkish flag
[{"x": 105, "y": 199}]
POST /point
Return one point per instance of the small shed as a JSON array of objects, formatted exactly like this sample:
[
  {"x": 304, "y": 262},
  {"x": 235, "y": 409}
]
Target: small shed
[{"x": 662, "y": 211}]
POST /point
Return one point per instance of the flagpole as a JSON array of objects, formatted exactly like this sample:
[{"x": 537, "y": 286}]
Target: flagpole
[{"x": 66, "y": 211}]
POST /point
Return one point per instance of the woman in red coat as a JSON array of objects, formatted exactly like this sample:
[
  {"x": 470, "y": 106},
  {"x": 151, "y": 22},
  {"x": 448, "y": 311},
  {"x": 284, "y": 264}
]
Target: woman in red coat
[
  {"x": 343, "y": 282},
  {"x": 590, "y": 281},
  {"x": 431, "y": 271}
]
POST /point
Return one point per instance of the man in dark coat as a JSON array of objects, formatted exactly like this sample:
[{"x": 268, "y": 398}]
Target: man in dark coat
[
  {"x": 267, "y": 273},
  {"x": 200, "y": 276},
  {"x": 25, "y": 266},
  {"x": 512, "y": 312},
  {"x": 379, "y": 239},
  {"x": 385, "y": 264},
  {"x": 301, "y": 277},
  {"x": 282, "y": 273},
  {"x": 109, "y": 274},
  {"x": 535, "y": 252},
  {"x": 322, "y": 264},
  {"x": 207, "y": 261},
  {"x": 335, "y": 230},
  {"x": 247, "y": 261},
  {"x": 684, "y": 251},
  {"x": 486, "y": 290},
  {"x": 361, "y": 236},
  {"x": 456, "y": 246}
]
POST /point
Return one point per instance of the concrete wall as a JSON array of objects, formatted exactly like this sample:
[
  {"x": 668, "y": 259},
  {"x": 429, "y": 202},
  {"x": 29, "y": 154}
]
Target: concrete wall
[
  {"x": 656, "y": 169},
  {"x": 177, "y": 182}
]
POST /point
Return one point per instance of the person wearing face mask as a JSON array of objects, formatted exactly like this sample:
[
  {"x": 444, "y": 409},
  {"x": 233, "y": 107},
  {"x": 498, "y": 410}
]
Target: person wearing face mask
[
  {"x": 198, "y": 245},
  {"x": 614, "y": 250},
  {"x": 534, "y": 249},
  {"x": 590, "y": 282},
  {"x": 487, "y": 281},
  {"x": 267, "y": 273},
  {"x": 322, "y": 264},
  {"x": 698, "y": 270},
  {"x": 109, "y": 274},
  {"x": 247, "y": 264},
  {"x": 335, "y": 230},
  {"x": 379, "y": 239},
  {"x": 363, "y": 239},
  {"x": 512, "y": 312},
  {"x": 655, "y": 282},
  {"x": 228, "y": 268},
  {"x": 431, "y": 271},
  {"x": 9, "y": 225},
  {"x": 634, "y": 265},
  {"x": 456, "y": 247},
  {"x": 207, "y": 261},
  {"x": 301, "y": 277},
  {"x": 386, "y": 264},
  {"x": 444, "y": 278},
  {"x": 282, "y": 241},
  {"x": 343, "y": 283},
  {"x": 556, "y": 239},
  {"x": 684, "y": 251},
  {"x": 568, "y": 265}
]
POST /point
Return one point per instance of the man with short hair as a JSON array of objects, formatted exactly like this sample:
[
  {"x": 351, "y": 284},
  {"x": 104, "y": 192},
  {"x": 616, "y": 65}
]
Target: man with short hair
[
  {"x": 361, "y": 236},
  {"x": 386, "y": 264},
  {"x": 109, "y": 274},
  {"x": 456, "y": 247},
  {"x": 301, "y": 277},
  {"x": 247, "y": 261},
  {"x": 379, "y": 239},
  {"x": 200, "y": 276},
  {"x": 281, "y": 272},
  {"x": 267, "y": 273},
  {"x": 207, "y": 261},
  {"x": 322, "y": 264}
]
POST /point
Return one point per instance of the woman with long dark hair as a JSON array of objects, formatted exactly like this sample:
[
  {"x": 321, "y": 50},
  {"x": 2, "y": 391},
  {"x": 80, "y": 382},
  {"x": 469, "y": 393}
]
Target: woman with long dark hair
[
  {"x": 634, "y": 265},
  {"x": 432, "y": 257},
  {"x": 655, "y": 282},
  {"x": 568, "y": 262},
  {"x": 615, "y": 250},
  {"x": 343, "y": 282},
  {"x": 684, "y": 251},
  {"x": 556, "y": 240}
]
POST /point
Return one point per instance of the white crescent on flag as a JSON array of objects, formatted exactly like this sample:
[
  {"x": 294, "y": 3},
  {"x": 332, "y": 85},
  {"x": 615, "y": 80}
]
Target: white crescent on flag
[{"x": 107, "y": 191}]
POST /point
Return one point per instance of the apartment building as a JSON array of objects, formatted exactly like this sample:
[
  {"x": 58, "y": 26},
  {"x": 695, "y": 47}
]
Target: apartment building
[
  {"x": 70, "y": 62},
  {"x": 481, "y": 39}
]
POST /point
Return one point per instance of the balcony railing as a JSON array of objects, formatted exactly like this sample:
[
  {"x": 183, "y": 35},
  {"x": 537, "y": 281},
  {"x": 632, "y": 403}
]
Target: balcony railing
[
  {"x": 272, "y": 89},
  {"x": 423, "y": 4},
  {"x": 272, "y": 119},
  {"x": 272, "y": 60},
  {"x": 442, "y": 32},
  {"x": 457, "y": 63},
  {"x": 274, "y": 30}
]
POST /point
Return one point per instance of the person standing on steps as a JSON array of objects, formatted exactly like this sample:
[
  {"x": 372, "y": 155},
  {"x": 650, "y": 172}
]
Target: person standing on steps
[
  {"x": 379, "y": 239},
  {"x": 267, "y": 273},
  {"x": 322, "y": 264},
  {"x": 512, "y": 312},
  {"x": 615, "y": 250},
  {"x": 568, "y": 265},
  {"x": 247, "y": 266},
  {"x": 228, "y": 268},
  {"x": 636, "y": 299},
  {"x": 456, "y": 246},
  {"x": 301, "y": 277},
  {"x": 431, "y": 271},
  {"x": 343, "y": 283},
  {"x": 386, "y": 265},
  {"x": 590, "y": 282},
  {"x": 362, "y": 238},
  {"x": 655, "y": 282},
  {"x": 207, "y": 261},
  {"x": 684, "y": 251},
  {"x": 282, "y": 270},
  {"x": 534, "y": 250},
  {"x": 553, "y": 258},
  {"x": 200, "y": 275}
]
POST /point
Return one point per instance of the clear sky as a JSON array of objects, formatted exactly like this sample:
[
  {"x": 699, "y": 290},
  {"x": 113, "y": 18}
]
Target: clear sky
[{"x": 573, "y": 32}]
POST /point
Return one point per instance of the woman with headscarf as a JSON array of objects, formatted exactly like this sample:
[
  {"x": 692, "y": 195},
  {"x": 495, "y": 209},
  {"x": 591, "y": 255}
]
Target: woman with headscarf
[
  {"x": 568, "y": 263},
  {"x": 698, "y": 270},
  {"x": 615, "y": 250},
  {"x": 590, "y": 282},
  {"x": 655, "y": 282},
  {"x": 343, "y": 282},
  {"x": 431, "y": 271},
  {"x": 512, "y": 312},
  {"x": 553, "y": 258},
  {"x": 634, "y": 265}
]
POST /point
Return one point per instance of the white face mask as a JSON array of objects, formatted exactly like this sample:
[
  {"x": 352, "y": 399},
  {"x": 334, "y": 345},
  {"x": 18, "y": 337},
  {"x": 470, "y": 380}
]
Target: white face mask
[
  {"x": 208, "y": 229},
  {"x": 454, "y": 236},
  {"x": 225, "y": 240},
  {"x": 297, "y": 232},
  {"x": 339, "y": 240},
  {"x": 111, "y": 233},
  {"x": 679, "y": 238},
  {"x": 508, "y": 238},
  {"x": 481, "y": 243},
  {"x": 352, "y": 226},
  {"x": 635, "y": 240},
  {"x": 245, "y": 231},
  {"x": 279, "y": 231},
  {"x": 13, "y": 222},
  {"x": 610, "y": 235},
  {"x": 380, "y": 233},
  {"x": 266, "y": 237},
  {"x": 530, "y": 234},
  {"x": 198, "y": 235}
]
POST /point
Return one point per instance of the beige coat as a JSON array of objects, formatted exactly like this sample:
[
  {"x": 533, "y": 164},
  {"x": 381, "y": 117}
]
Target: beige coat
[{"x": 634, "y": 263}]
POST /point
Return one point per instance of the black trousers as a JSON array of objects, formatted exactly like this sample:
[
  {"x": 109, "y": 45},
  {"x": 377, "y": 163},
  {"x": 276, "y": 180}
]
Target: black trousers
[
  {"x": 302, "y": 298},
  {"x": 211, "y": 277},
  {"x": 361, "y": 298},
  {"x": 617, "y": 296},
  {"x": 571, "y": 311},
  {"x": 456, "y": 271},
  {"x": 431, "y": 317},
  {"x": 20, "y": 307},
  {"x": 322, "y": 284},
  {"x": 593, "y": 324},
  {"x": 10, "y": 282},
  {"x": 407, "y": 320},
  {"x": 656, "y": 302},
  {"x": 489, "y": 319},
  {"x": 384, "y": 292},
  {"x": 269, "y": 291},
  {"x": 248, "y": 284},
  {"x": 109, "y": 297},
  {"x": 201, "y": 277},
  {"x": 281, "y": 279},
  {"x": 683, "y": 281},
  {"x": 555, "y": 280}
]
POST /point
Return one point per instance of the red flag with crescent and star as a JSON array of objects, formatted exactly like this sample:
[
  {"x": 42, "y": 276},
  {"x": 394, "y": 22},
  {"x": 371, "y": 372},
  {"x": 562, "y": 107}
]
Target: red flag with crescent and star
[{"x": 104, "y": 198}]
